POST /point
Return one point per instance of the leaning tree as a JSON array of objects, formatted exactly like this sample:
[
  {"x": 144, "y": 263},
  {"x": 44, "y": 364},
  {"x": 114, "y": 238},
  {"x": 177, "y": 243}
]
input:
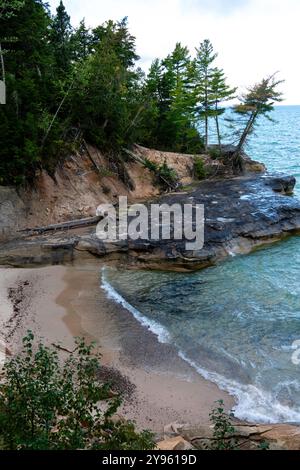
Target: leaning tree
[{"x": 258, "y": 101}]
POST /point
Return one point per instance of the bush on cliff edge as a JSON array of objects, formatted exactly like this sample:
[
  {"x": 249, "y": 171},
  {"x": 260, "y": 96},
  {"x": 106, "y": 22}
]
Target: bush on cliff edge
[{"x": 47, "y": 404}]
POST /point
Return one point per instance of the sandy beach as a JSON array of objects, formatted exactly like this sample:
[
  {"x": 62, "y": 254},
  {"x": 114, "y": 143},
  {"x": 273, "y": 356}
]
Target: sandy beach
[{"x": 59, "y": 303}]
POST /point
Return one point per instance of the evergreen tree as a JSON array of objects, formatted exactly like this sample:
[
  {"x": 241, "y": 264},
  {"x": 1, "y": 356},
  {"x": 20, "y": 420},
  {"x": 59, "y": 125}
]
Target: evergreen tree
[
  {"x": 7, "y": 10},
  {"x": 61, "y": 30},
  {"x": 81, "y": 42},
  {"x": 63, "y": 83},
  {"x": 28, "y": 60},
  {"x": 104, "y": 101},
  {"x": 183, "y": 104},
  {"x": 153, "y": 97},
  {"x": 204, "y": 70},
  {"x": 221, "y": 92},
  {"x": 119, "y": 39},
  {"x": 257, "y": 102},
  {"x": 173, "y": 102}
]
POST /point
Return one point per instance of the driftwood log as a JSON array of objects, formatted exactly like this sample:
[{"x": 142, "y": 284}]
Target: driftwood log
[{"x": 64, "y": 225}]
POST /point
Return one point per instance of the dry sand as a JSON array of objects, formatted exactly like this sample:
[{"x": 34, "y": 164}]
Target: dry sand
[{"x": 60, "y": 302}]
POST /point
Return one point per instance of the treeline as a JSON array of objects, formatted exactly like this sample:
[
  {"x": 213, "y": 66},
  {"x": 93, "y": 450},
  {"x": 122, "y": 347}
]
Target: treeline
[{"x": 66, "y": 85}]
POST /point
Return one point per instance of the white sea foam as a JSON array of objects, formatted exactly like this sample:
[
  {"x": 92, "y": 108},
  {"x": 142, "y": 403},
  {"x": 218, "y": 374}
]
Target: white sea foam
[
  {"x": 252, "y": 403},
  {"x": 160, "y": 331}
]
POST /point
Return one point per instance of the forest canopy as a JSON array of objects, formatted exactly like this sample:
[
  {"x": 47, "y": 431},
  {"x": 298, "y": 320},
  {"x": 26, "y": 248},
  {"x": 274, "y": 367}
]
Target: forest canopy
[{"x": 66, "y": 85}]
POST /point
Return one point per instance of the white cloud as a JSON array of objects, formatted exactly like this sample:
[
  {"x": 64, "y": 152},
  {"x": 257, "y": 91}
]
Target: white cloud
[{"x": 254, "y": 38}]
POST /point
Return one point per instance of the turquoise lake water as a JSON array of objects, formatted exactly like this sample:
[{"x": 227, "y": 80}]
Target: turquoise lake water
[{"x": 235, "y": 323}]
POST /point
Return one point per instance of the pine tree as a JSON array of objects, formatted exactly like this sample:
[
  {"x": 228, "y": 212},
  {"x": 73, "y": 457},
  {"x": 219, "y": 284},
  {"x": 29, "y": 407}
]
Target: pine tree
[
  {"x": 257, "y": 102},
  {"x": 221, "y": 92},
  {"x": 7, "y": 10},
  {"x": 81, "y": 42},
  {"x": 152, "y": 96},
  {"x": 183, "y": 103},
  {"x": 121, "y": 41},
  {"x": 28, "y": 61},
  {"x": 204, "y": 70},
  {"x": 106, "y": 96},
  {"x": 173, "y": 100},
  {"x": 61, "y": 30}
]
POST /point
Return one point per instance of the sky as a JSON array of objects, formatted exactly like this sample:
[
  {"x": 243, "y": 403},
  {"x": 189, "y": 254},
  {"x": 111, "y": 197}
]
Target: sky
[{"x": 254, "y": 38}]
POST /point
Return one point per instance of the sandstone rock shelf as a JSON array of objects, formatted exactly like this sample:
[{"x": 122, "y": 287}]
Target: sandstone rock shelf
[{"x": 241, "y": 214}]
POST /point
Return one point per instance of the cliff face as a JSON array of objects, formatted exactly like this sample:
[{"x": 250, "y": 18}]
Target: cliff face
[{"x": 82, "y": 183}]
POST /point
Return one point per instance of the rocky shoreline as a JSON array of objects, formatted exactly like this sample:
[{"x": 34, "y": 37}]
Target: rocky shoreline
[
  {"x": 245, "y": 437},
  {"x": 241, "y": 214}
]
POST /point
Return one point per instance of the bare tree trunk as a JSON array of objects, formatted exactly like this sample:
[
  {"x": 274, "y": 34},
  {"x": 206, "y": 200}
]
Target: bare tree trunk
[
  {"x": 206, "y": 133},
  {"x": 237, "y": 160},
  {"x": 206, "y": 110},
  {"x": 246, "y": 132},
  {"x": 218, "y": 128},
  {"x": 134, "y": 120},
  {"x": 2, "y": 63},
  {"x": 55, "y": 115}
]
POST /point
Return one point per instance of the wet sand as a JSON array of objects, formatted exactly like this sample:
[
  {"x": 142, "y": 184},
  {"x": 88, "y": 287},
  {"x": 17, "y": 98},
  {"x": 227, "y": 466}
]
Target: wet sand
[{"x": 61, "y": 302}]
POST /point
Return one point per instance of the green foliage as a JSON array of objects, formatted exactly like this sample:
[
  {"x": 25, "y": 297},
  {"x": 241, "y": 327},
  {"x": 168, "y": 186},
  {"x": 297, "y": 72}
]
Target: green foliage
[
  {"x": 214, "y": 153},
  {"x": 264, "y": 445},
  {"x": 61, "y": 31},
  {"x": 8, "y": 8},
  {"x": 65, "y": 85},
  {"x": 152, "y": 166},
  {"x": 210, "y": 87},
  {"x": 104, "y": 101},
  {"x": 258, "y": 101},
  {"x": 81, "y": 42},
  {"x": 169, "y": 119},
  {"x": 223, "y": 429},
  {"x": 204, "y": 76},
  {"x": 165, "y": 175},
  {"x": 45, "y": 404},
  {"x": 223, "y": 435},
  {"x": 28, "y": 59},
  {"x": 199, "y": 169}
]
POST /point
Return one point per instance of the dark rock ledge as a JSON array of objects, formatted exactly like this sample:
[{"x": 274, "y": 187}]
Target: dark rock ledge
[{"x": 241, "y": 214}]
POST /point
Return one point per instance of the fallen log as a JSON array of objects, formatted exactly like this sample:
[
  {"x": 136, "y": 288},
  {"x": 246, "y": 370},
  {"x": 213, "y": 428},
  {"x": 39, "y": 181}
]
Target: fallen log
[{"x": 64, "y": 225}]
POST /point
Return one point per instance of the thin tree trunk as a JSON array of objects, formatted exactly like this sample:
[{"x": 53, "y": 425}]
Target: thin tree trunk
[
  {"x": 246, "y": 132},
  {"x": 218, "y": 128},
  {"x": 2, "y": 63},
  {"x": 237, "y": 160},
  {"x": 206, "y": 133},
  {"x": 133, "y": 122},
  {"x": 206, "y": 111},
  {"x": 56, "y": 114}
]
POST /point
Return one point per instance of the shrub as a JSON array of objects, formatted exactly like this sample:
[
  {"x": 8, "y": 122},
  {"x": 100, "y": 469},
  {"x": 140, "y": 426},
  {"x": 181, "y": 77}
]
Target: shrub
[
  {"x": 223, "y": 429},
  {"x": 199, "y": 169},
  {"x": 167, "y": 173},
  {"x": 214, "y": 153},
  {"x": 152, "y": 166},
  {"x": 46, "y": 404},
  {"x": 166, "y": 176}
]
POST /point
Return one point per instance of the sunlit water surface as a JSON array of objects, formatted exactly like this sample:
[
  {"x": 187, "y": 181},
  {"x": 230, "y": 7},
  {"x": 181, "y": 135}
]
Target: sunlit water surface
[{"x": 235, "y": 323}]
